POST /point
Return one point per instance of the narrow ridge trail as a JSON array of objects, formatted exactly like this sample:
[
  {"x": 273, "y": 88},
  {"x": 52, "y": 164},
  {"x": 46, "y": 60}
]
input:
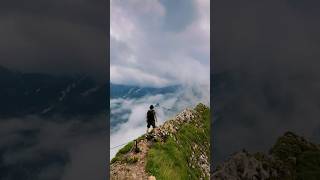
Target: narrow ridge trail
[
  {"x": 135, "y": 170},
  {"x": 130, "y": 164}
]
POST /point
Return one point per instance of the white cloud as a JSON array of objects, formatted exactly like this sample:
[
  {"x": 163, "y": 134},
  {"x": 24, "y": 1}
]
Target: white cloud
[
  {"x": 132, "y": 76},
  {"x": 141, "y": 43},
  {"x": 79, "y": 144}
]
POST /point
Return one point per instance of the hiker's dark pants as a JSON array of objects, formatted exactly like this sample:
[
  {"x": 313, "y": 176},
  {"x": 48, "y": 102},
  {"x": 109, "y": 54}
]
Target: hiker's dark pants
[{"x": 151, "y": 123}]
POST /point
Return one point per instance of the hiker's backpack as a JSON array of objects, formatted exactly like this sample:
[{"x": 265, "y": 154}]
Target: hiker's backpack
[{"x": 150, "y": 115}]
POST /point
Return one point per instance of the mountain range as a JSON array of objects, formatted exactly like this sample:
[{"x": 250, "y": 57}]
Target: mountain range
[
  {"x": 45, "y": 95},
  {"x": 127, "y": 91}
]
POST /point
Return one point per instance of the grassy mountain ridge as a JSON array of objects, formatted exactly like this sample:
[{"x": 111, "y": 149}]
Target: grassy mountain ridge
[{"x": 178, "y": 149}]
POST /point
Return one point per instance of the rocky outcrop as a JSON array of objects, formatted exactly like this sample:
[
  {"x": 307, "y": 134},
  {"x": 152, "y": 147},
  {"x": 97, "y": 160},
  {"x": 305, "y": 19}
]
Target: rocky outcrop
[
  {"x": 291, "y": 157},
  {"x": 243, "y": 165}
]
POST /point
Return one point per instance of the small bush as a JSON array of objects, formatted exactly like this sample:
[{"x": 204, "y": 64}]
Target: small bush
[
  {"x": 125, "y": 149},
  {"x": 132, "y": 160}
]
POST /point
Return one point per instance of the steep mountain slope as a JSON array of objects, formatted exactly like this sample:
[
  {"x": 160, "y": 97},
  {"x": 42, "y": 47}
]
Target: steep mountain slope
[
  {"x": 292, "y": 157},
  {"x": 178, "y": 149}
]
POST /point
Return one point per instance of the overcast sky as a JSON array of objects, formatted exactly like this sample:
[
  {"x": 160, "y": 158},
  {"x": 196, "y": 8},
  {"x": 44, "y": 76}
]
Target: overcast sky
[
  {"x": 269, "y": 54},
  {"x": 160, "y": 42},
  {"x": 54, "y": 36}
]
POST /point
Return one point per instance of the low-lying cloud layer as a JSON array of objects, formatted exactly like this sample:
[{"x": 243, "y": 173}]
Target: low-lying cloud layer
[
  {"x": 46, "y": 149},
  {"x": 128, "y": 116}
]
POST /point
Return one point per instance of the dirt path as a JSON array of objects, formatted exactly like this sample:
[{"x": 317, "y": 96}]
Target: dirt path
[
  {"x": 136, "y": 171},
  {"x": 128, "y": 171}
]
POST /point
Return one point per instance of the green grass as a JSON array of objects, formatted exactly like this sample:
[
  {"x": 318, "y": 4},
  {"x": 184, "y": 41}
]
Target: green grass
[
  {"x": 121, "y": 152},
  {"x": 169, "y": 160},
  {"x": 125, "y": 149}
]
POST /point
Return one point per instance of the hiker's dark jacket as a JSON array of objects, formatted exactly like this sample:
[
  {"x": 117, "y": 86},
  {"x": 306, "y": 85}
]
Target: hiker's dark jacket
[{"x": 151, "y": 118}]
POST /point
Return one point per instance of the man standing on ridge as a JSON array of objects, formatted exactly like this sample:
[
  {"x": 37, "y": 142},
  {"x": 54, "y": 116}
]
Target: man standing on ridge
[{"x": 151, "y": 118}]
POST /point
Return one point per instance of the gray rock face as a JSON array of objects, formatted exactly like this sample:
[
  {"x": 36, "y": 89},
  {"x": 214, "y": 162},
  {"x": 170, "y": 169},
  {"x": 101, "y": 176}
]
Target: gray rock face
[{"x": 243, "y": 166}]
